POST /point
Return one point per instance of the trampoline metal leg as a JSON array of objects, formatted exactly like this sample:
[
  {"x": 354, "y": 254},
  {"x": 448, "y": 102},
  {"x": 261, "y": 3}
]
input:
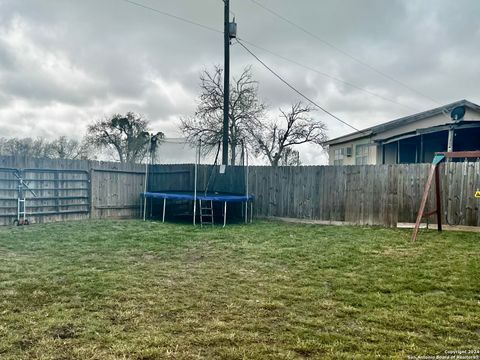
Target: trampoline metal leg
[
  {"x": 225, "y": 214},
  {"x": 164, "y": 203},
  {"x": 194, "y": 211},
  {"x": 251, "y": 211},
  {"x": 144, "y": 207},
  {"x": 200, "y": 207},
  {"x": 246, "y": 212}
]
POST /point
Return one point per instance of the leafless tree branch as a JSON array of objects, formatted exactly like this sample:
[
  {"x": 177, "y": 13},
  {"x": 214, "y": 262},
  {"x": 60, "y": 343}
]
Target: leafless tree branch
[
  {"x": 245, "y": 111},
  {"x": 276, "y": 139}
]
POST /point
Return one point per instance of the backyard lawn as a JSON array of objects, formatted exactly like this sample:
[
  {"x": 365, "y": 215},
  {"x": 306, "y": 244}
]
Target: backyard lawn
[{"x": 135, "y": 290}]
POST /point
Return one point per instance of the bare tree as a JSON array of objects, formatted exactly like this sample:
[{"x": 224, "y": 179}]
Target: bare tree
[
  {"x": 62, "y": 148},
  {"x": 290, "y": 157},
  {"x": 245, "y": 111},
  {"x": 128, "y": 135},
  {"x": 27, "y": 147},
  {"x": 276, "y": 139},
  {"x": 65, "y": 148}
]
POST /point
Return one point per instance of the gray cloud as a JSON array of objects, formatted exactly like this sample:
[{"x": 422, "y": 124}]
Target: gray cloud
[{"x": 66, "y": 63}]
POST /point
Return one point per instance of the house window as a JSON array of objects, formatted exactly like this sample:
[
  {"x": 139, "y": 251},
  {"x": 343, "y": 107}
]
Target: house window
[
  {"x": 361, "y": 154},
  {"x": 338, "y": 156}
]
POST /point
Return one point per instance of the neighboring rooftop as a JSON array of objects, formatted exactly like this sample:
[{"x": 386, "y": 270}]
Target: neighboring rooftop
[{"x": 403, "y": 121}]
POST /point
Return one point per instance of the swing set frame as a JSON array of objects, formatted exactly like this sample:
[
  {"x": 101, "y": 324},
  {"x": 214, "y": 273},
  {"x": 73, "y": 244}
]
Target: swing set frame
[{"x": 435, "y": 173}]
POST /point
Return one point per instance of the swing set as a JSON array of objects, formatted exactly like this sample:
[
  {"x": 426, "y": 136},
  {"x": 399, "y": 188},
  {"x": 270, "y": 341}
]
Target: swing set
[{"x": 435, "y": 172}]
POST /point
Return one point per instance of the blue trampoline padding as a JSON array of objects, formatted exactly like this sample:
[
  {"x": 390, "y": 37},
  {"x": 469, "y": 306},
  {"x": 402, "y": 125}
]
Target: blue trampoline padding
[{"x": 200, "y": 196}]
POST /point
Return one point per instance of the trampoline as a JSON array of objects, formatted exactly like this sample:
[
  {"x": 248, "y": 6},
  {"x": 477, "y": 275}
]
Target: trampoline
[
  {"x": 200, "y": 192},
  {"x": 212, "y": 197}
]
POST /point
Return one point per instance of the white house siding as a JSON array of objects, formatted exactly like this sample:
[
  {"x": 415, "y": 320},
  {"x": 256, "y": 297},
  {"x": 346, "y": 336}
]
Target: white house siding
[{"x": 372, "y": 152}]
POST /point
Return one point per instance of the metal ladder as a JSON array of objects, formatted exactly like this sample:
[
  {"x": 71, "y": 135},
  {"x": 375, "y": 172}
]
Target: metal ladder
[
  {"x": 21, "y": 200},
  {"x": 206, "y": 212},
  {"x": 22, "y": 212}
]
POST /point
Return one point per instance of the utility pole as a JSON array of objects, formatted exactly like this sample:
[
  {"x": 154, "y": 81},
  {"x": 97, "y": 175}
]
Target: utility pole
[{"x": 226, "y": 81}]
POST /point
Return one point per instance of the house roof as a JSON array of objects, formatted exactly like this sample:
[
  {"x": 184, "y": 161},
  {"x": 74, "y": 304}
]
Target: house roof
[{"x": 402, "y": 121}]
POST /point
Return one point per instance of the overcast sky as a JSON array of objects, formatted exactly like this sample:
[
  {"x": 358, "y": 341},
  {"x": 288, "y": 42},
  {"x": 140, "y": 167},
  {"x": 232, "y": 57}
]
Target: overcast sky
[{"x": 65, "y": 63}]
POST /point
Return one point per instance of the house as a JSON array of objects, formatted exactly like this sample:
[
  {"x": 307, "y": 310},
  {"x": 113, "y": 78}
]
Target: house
[{"x": 411, "y": 139}]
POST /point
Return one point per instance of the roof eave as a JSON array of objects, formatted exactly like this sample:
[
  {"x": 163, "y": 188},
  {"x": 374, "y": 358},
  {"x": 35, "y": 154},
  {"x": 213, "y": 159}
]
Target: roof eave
[
  {"x": 349, "y": 137},
  {"x": 401, "y": 121}
]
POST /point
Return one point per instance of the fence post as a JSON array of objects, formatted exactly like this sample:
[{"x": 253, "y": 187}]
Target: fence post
[{"x": 90, "y": 192}]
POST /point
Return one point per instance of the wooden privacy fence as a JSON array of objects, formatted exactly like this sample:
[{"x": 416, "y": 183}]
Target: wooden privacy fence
[
  {"x": 70, "y": 189},
  {"x": 364, "y": 195},
  {"x": 116, "y": 192},
  {"x": 59, "y": 192},
  {"x": 181, "y": 178},
  {"x": 367, "y": 194}
]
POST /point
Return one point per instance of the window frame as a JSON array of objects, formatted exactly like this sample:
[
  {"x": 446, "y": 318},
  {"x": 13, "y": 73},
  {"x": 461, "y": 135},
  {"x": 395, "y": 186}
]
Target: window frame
[
  {"x": 338, "y": 156},
  {"x": 361, "y": 158}
]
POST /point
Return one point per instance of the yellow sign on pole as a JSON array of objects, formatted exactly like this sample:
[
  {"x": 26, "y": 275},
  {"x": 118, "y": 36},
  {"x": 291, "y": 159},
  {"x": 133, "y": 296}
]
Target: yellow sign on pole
[{"x": 477, "y": 194}]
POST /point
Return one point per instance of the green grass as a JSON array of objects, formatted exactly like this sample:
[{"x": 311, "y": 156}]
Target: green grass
[{"x": 134, "y": 290}]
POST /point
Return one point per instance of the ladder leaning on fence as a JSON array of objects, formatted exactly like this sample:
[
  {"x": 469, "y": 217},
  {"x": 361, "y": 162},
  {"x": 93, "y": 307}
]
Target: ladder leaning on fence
[{"x": 21, "y": 200}]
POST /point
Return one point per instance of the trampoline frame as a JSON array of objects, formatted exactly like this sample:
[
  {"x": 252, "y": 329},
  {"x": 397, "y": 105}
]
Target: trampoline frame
[
  {"x": 246, "y": 199},
  {"x": 215, "y": 198}
]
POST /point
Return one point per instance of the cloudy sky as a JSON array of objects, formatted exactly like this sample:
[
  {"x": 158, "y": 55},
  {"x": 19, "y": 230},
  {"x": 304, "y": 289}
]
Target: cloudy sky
[{"x": 65, "y": 63}]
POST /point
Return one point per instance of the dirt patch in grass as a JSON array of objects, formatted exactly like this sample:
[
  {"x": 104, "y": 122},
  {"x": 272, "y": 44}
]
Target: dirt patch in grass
[{"x": 63, "y": 331}]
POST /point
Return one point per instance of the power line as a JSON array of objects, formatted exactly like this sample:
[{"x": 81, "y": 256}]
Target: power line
[
  {"x": 345, "y": 53},
  {"x": 173, "y": 16},
  {"x": 328, "y": 75},
  {"x": 295, "y": 89},
  {"x": 266, "y": 50},
  {"x": 280, "y": 56}
]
